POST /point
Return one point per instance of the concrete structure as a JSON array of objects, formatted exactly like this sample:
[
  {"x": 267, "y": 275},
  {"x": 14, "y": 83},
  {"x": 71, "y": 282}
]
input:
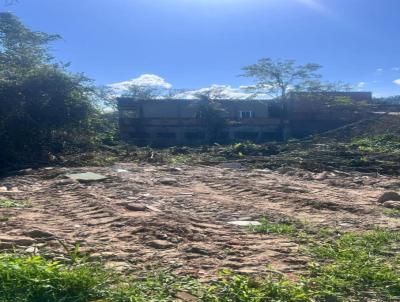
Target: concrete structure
[{"x": 180, "y": 122}]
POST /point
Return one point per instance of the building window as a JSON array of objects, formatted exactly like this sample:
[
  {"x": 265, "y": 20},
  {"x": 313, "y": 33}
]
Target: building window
[
  {"x": 195, "y": 135},
  {"x": 246, "y": 114},
  {"x": 246, "y": 135},
  {"x": 166, "y": 135},
  {"x": 129, "y": 113}
]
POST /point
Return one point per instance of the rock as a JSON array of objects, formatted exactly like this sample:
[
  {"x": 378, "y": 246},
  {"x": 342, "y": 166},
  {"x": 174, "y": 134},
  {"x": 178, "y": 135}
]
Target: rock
[
  {"x": 392, "y": 204},
  {"x": 184, "y": 296},
  {"x": 137, "y": 207},
  {"x": 389, "y": 196},
  {"x": 234, "y": 166},
  {"x": 198, "y": 250},
  {"x": 32, "y": 250},
  {"x": 321, "y": 176},
  {"x": 284, "y": 170},
  {"x": 160, "y": 244},
  {"x": 87, "y": 177},
  {"x": 39, "y": 234},
  {"x": 244, "y": 223},
  {"x": 168, "y": 181},
  {"x": 22, "y": 241}
]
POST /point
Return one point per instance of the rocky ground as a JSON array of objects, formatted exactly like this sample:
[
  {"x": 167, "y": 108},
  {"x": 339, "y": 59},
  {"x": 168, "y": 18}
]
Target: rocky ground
[{"x": 145, "y": 215}]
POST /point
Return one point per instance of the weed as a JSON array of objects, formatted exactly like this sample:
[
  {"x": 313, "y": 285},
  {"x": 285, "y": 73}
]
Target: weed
[
  {"x": 8, "y": 203},
  {"x": 283, "y": 227},
  {"x": 387, "y": 143},
  {"x": 395, "y": 213},
  {"x": 238, "y": 288},
  {"x": 356, "y": 266},
  {"x": 34, "y": 279}
]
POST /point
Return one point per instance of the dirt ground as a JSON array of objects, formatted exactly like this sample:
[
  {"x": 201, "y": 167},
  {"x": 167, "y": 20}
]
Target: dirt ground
[{"x": 146, "y": 216}]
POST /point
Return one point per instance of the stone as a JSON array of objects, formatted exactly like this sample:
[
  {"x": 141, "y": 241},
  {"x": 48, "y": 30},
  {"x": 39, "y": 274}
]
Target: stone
[
  {"x": 244, "y": 223},
  {"x": 137, "y": 207},
  {"x": 160, "y": 244},
  {"x": 32, "y": 250},
  {"x": 168, "y": 181},
  {"x": 87, "y": 177},
  {"x": 392, "y": 204},
  {"x": 321, "y": 176},
  {"x": 389, "y": 196},
  {"x": 184, "y": 296},
  {"x": 39, "y": 234},
  {"x": 22, "y": 241},
  {"x": 234, "y": 166}
]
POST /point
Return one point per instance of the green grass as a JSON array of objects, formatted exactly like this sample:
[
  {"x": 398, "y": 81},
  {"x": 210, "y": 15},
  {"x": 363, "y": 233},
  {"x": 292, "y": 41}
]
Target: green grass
[
  {"x": 266, "y": 227},
  {"x": 377, "y": 144},
  {"x": 395, "y": 213},
  {"x": 8, "y": 203},
  {"x": 34, "y": 279},
  {"x": 347, "y": 267}
]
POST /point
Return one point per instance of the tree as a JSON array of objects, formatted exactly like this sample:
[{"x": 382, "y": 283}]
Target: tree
[
  {"x": 21, "y": 49},
  {"x": 43, "y": 107},
  {"x": 278, "y": 78}
]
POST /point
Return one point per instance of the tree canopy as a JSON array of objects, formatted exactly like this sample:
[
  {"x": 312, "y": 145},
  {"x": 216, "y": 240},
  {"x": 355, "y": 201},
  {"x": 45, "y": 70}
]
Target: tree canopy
[
  {"x": 277, "y": 78},
  {"x": 43, "y": 108}
]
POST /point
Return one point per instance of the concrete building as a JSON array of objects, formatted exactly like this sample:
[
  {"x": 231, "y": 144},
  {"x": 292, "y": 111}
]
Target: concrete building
[{"x": 182, "y": 122}]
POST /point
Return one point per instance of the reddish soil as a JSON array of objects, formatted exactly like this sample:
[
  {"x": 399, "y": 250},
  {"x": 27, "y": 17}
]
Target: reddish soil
[{"x": 178, "y": 217}]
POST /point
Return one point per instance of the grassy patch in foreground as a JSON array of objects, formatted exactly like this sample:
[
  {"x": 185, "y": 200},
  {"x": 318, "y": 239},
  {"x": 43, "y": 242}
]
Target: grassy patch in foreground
[{"x": 347, "y": 267}]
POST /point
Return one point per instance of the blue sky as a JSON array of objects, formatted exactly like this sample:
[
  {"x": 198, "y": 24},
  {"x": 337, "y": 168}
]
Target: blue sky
[{"x": 198, "y": 43}]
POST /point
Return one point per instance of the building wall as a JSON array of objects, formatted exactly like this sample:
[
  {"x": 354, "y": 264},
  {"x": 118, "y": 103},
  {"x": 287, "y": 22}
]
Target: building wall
[{"x": 177, "y": 122}]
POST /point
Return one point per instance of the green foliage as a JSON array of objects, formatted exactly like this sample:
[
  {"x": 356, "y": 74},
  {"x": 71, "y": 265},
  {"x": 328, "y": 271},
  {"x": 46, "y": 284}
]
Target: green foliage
[
  {"x": 386, "y": 143},
  {"x": 8, "y": 203},
  {"x": 348, "y": 267},
  {"x": 212, "y": 117},
  {"x": 395, "y": 213},
  {"x": 237, "y": 288},
  {"x": 34, "y": 279},
  {"x": 276, "y": 77},
  {"x": 44, "y": 109},
  {"x": 355, "y": 267},
  {"x": 266, "y": 227}
]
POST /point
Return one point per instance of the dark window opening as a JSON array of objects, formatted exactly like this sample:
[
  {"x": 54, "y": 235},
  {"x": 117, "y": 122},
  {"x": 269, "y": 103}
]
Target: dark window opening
[
  {"x": 246, "y": 135},
  {"x": 270, "y": 136},
  {"x": 195, "y": 135},
  {"x": 166, "y": 135},
  {"x": 139, "y": 135}
]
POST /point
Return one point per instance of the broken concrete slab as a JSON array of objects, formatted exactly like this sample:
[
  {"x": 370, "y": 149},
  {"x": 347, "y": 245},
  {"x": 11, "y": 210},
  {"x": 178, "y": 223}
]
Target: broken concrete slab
[
  {"x": 136, "y": 207},
  {"x": 244, "y": 223},
  {"x": 87, "y": 177},
  {"x": 389, "y": 196},
  {"x": 234, "y": 166}
]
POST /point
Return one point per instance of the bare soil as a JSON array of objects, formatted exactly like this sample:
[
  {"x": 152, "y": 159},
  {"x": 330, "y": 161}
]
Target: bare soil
[{"x": 178, "y": 217}]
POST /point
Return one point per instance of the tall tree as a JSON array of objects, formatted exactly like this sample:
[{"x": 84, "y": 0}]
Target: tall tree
[
  {"x": 43, "y": 107},
  {"x": 21, "y": 48},
  {"x": 278, "y": 78}
]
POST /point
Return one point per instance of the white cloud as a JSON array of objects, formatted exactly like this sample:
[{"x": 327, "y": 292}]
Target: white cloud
[
  {"x": 396, "y": 68},
  {"x": 379, "y": 70},
  {"x": 316, "y": 6},
  {"x": 217, "y": 92},
  {"x": 361, "y": 84},
  {"x": 145, "y": 80},
  {"x": 397, "y": 82}
]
